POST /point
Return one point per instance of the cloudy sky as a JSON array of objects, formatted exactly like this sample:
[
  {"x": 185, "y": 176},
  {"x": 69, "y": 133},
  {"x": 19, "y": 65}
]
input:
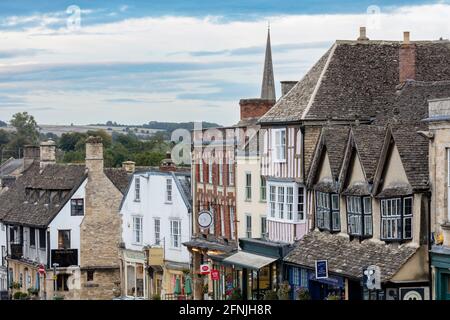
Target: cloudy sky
[{"x": 176, "y": 60}]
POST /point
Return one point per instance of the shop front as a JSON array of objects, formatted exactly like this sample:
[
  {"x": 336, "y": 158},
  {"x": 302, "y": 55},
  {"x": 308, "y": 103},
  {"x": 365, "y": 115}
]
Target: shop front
[
  {"x": 440, "y": 262},
  {"x": 134, "y": 274}
]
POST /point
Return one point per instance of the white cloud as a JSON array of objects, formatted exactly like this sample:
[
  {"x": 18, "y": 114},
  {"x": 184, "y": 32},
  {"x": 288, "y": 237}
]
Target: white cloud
[{"x": 155, "y": 39}]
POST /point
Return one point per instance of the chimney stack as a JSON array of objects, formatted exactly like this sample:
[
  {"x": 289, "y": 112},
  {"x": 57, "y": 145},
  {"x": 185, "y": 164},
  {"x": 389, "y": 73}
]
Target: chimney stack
[
  {"x": 129, "y": 166},
  {"x": 167, "y": 164},
  {"x": 407, "y": 59},
  {"x": 254, "y": 108},
  {"x": 47, "y": 153},
  {"x": 94, "y": 154},
  {"x": 30, "y": 154},
  {"x": 286, "y": 86},
  {"x": 362, "y": 34}
]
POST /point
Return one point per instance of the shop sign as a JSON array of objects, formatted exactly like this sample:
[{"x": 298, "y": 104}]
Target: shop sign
[
  {"x": 321, "y": 269},
  {"x": 204, "y": 269},
  {"x": 215, "y": 275}
]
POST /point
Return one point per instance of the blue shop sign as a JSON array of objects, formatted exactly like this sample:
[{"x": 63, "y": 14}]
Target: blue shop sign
[
  {"x": 321, "y": 269},
  {"x": 331, "y": 280}
]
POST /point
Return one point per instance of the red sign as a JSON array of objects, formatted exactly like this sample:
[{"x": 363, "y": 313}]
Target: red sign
[
  {"x": 41, "y": 269},
  {"x": 204, "y": 269},
  {"x": 214, "y": 274}
]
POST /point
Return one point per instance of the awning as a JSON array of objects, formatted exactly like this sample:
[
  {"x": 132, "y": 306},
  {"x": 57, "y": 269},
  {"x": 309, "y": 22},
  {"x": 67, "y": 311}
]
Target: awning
[{"x": 249, "y": 260}]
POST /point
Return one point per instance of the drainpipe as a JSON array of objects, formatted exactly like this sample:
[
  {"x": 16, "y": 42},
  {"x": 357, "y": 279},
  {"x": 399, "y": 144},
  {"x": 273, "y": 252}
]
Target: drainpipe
[{"x": 430, "y": 281}]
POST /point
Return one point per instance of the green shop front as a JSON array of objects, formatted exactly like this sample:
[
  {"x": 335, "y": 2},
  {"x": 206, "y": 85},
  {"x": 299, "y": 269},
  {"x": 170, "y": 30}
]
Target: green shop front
[
  {"x": 255, "y": 270},
  {"x": 440, "y": 263}
]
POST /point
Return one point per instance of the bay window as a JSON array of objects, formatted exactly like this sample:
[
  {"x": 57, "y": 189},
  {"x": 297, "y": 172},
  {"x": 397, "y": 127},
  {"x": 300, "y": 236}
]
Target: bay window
[
  {"x": 301, "y": 204},
  {"x": 279, "y": 145},
  {"x": 396, "y": 218},
  {"x": 290, "y": 202},
  {"x": 327, "y": 211},
  {"x": 359, "y": 216},
  {"x": 280, "y": 202},
  {"x": 286, "y": 202}
]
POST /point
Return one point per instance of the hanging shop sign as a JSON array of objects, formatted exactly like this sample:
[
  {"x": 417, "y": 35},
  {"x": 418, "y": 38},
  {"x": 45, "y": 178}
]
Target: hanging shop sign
[
  {"x": 205, "y": 269},
  {"x": 215, "y": 275},
  {"x": 321, "y": 269}
]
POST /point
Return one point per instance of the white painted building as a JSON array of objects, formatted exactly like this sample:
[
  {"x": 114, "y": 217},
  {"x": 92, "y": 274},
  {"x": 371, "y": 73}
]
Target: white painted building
[
  {"x": 156, "y": 212},
  {"x": 3, "y": 270}
]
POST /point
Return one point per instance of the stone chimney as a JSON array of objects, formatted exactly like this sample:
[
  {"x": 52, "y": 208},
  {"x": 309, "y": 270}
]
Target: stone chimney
[
  {"x": 167, "y": 164},
  {"x": 286, "y": 86},
  {"x": 362, "y": 34},
  {"x": 254, "y": 108},
  {"x": 30, "y": 154},
  {"x": 407, "y": 59},
  {"x": 129, "y": 166},
  {"x": 94, "y": 154},
  {"x": 47, "y": 153}
]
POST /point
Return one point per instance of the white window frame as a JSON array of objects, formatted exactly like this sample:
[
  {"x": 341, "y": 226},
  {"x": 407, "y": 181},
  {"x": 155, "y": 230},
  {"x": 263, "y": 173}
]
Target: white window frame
[
  {"x": 289, "y": 200},
  {"x": 230, "y": 173},
  {"x": 210, "y": 171},
  {"x": 222, "y": 221},
  {"x": 157, "y": 230},
  {"x": 169, "y": 190},
  {"x": 138, "y": 232},
  {"x": 137, "y": 189},
  {"x": 200, "y": 169},
  {"x": 175, "y": 237},
  {"x": 220, "y": 172},
  {"x": 279, "y": 145}
]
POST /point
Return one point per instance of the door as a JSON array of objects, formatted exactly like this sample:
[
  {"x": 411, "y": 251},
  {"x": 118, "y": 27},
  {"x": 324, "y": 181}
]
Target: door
[{"x": 445, "y": 280}]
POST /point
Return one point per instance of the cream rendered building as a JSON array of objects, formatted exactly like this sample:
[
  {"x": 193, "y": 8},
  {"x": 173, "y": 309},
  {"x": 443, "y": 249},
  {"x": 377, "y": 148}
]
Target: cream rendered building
[{"x": 250, "y": 198}]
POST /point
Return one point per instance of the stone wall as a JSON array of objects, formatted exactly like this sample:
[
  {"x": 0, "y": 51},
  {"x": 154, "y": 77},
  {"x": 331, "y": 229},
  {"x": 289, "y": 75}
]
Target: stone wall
[{"x": 100, "y": 229}]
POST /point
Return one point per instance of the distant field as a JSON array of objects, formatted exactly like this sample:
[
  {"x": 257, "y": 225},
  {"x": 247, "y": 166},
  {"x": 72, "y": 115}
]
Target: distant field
[{"x": 60, "y": 129}]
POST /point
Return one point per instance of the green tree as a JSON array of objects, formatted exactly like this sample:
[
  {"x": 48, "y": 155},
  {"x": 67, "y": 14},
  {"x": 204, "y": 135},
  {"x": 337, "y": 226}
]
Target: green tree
[
  {"x": 26, "y": 127},
  {"x": 69, "y": 140}
]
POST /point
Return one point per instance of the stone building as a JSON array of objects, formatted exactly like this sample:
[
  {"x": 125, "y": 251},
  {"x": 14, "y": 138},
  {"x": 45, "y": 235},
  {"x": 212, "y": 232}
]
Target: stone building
[
  {"x": 439, "y": 163},
  {"x": 62, "y": 235}
]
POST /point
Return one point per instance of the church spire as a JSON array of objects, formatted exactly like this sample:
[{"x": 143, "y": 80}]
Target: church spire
[{"x": 268, "y": 83}]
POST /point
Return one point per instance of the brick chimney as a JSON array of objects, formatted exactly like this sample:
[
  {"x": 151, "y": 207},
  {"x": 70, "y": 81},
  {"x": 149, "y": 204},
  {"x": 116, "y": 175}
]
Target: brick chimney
[
  {"x": 254, "y": 108},
  {"x": 362, "y": 34},
  {"x": 94, "y": 154},
  {"x": 47, "y": 153},
  {"x": 167, "y": 164},
  {"x": 30, "y": 154},
  {"x": 407, "y": 59},
  {"x": 129, "y": 166},
  {"x": 286, "y": 86}
]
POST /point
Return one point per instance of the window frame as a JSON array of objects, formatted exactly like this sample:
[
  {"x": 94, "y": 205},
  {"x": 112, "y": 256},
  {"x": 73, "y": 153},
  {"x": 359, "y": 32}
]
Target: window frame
[
  {"x": 324, "y": 206},
  {"x": 248, "y": 225},
  {"x": 175, "y": 238},
  {"x": 42, "y": 236},
  {"x": 230, "y": 173},
  {"x": 136, "y": 231},
  {"x": 32, "y": 237},
  {"x": 200, "y": 170},
  {"x": 169, "y": 190},
  {"x": 210, "y": 171},
  {"x": 399, "y": 218},
  {"x": 232, "y": 218},
  {"x": 301, "y": 204},
  {"x": 248, "y": 186},
  {"x": 137, "y": 189},
  {"x": 157, "y": 233},
  {"x": 351, "y": 202},
  {"x": 262, "y": 189},
  {"x": 61, "y": 233},
  {"x": 278, "y": 145},
  {"x": 263, "y": 226},
  {"x": 76, "y": 207}
]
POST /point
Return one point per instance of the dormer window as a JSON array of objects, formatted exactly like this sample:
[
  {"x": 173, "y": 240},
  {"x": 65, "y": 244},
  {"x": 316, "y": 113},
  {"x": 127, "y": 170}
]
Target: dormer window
[
  {"x": 396, "y": 218},
  {"x": 327, "y": 211},
  {"x": 359, "y": 216}
]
